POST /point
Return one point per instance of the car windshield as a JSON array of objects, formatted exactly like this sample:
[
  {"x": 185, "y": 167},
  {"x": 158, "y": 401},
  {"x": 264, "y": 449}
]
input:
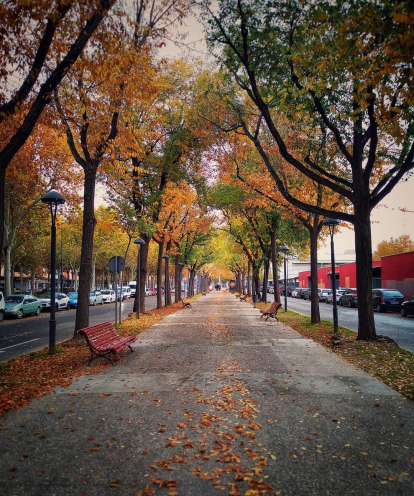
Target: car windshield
[
  {"x": 46, "y": 295},
  {"x": 92, "y": 293},
  {"x": 105, "y": 291},
  {"x": 391, "y": 293},
  {"x": 72, "y": 295},
  {"x": 14, "y": 299}
]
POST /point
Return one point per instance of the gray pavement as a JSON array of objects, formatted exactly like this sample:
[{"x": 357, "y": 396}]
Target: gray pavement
[{"x": 214, "y": 401}]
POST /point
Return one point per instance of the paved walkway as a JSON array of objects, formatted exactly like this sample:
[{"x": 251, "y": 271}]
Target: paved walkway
[{"x": 215, "y": 401}]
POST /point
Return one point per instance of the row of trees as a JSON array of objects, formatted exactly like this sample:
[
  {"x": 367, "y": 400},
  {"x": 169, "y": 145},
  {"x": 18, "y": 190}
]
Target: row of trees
[{"x": 308, "y": 117}]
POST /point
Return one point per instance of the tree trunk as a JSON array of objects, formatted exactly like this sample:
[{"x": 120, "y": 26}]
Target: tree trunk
[
  {"x": 248, "y": 279},
  {"x": 167, "y": 282},
  {"x": 93, "y": 284},
  {"x": 159, "y": 274},
  {"x": 85, "y": 271},
  {"x": 363, "y": 253},
  {"x": 276, "y": 294},
  {"x": 2, "y": 207},
  {"x": 7, "y": 271},
  {"x": 144, "y": 269},
  {"x": 177, "y": 281},
  {"x": 315, "y": 315}
]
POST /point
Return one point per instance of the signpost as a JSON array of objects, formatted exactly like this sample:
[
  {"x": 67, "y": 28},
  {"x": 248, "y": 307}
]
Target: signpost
[{"x": 116, "y": 265}]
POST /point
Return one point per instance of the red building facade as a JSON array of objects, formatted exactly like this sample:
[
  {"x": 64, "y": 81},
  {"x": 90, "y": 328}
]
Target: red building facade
[{"x": 393, "y": 272}]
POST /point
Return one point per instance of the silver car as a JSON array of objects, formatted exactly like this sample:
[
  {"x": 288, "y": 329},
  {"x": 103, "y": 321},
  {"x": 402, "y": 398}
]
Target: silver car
[
  {"x": 108, "y": 295},
  {"x": 95, "y": 298}
]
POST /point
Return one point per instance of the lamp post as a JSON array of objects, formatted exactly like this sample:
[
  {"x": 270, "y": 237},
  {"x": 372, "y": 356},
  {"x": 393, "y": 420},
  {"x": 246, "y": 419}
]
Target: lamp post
[
  {"x": 188, "y": 282},
  {"x": 285, "y": 250},
  {"x": 137, "y": 301},
  {"x": 53, "y": 199},
  {"x": 61, "y": 258},
  {"x": 265, "y": 259},
  {"x": 166, "y": 257},
  {"x": 331, "y": 223}
]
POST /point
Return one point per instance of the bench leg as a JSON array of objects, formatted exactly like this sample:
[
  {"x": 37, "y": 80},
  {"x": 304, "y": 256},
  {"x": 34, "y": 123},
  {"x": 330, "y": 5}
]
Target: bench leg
[
  {"x": 94, "y": 356},
  {"x": 129, "y": 346}
]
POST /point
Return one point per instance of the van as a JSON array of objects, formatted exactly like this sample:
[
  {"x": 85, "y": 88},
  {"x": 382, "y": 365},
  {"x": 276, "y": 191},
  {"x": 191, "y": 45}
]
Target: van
[{"x": 133, "y": 287}]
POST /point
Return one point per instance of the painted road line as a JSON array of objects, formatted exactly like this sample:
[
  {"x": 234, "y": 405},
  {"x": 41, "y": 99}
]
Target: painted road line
[{"x": 18, "y": 344}]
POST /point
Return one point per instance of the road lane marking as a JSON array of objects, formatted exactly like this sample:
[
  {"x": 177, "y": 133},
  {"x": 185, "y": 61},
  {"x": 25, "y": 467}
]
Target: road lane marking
[{"x": 18, "y": 344}]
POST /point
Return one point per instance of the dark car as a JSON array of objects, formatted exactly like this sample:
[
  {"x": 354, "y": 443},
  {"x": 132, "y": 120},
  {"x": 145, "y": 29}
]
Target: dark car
[
  {"x": 303, "y": 292},
  {"x": 308, "y": 294},
  {"x": 385, "y": 300},
  {"x": 349, "y": 298},
  {"x": 407, "y": 307}
]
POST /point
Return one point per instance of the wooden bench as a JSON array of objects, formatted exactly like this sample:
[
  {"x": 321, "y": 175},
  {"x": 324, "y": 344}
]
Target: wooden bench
[
  {"x": 185, "y": 303},
  {"x": 271, "y": 311},
  {"x": 204, "y": 293},
  {"x": 243, "y": 297},
  {"x": 103, "y": 340}
]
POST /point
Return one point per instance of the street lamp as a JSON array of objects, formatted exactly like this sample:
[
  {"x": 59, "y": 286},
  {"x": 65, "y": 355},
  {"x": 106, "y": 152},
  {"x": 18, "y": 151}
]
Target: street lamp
[
  {"x": 53, "y": 199},
  {"x": 137, "y": 301},
  {"x": 331, "y": 223},
  {"x": 285, "y": 250},
  {"x": 166, "y": 257},
  {"x": 265, "y": 259},
  {"x": 188, "y": 282}
]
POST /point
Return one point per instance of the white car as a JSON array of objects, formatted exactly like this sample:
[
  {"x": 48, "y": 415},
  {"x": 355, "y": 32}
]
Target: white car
[
  {"x": 108, "y": 295},
  {"x": 2, "y": 306},
  {"x": 61, "y": 301},
  {"x": 148, "y": 292},
  {"x": 126, "y": 292},
  {"x": 95, "y": 297}
]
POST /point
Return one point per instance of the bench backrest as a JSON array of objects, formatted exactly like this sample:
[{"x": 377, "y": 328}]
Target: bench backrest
[
  {"x": 99, "y": 334},
  {"x": 274, "y": 307},
  {"x": 183, "y": 300}
]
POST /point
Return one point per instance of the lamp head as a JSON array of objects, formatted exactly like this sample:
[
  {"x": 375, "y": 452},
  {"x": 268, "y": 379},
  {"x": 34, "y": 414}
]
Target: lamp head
[
  {"x": 265, "y": 259},
  {"x": 165, "y": 257},
  {"x": 139, "y": 241},
  {"x": 285, "y": 249},
  {"x": 53, "y": 198},
  {"x": 331, "y": 223}
]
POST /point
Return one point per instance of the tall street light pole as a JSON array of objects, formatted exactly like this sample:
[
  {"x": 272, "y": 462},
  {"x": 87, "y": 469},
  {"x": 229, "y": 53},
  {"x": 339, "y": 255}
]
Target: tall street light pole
[
  {"x": 332, "y": 223},
  {"x": 285, "y": 250},
  {"x": 137, "y": 301},
  {"x": 265, "y": 259},
  {"x": 166, "y": 257},
  {"x": 53, "y": 199}
]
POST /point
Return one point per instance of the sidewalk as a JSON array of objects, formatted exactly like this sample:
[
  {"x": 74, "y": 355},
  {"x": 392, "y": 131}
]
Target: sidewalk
[{"x": 214, "y": 401}]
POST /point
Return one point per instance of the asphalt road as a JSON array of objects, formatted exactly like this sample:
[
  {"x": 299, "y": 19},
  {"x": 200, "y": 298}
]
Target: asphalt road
[
  {"x": 400, "y": 329},
  {"x": 19, "y": 337}
]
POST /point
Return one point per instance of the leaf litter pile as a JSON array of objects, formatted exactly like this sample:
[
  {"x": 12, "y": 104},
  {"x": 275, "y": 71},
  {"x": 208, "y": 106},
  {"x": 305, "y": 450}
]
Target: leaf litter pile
[
  {"x": 219, "y": 444},
  {"x": 31, "y": 376},
  {"x": 382, "y": 359}
]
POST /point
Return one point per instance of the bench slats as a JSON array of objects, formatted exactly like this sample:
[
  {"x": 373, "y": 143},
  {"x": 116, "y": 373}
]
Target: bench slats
[{"x": 103, "y": 340}]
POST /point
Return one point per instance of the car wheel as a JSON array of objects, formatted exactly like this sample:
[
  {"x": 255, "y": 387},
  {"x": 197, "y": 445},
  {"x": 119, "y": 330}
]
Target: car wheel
[
  {"x": 38, "y": 311},
  {"x": 20, "y": 314},
  {"x": 378, "y": 308},
  {"x": 340, "y": 302},
  {"x": 102, "y": 302},
  {"x": 94, "y": 303},
  {"x": 1, "y": 315},
  {"x": 56, "y": 307},
  {"x": 403, "y": 314},
  {"x": 349, "y": 304}
]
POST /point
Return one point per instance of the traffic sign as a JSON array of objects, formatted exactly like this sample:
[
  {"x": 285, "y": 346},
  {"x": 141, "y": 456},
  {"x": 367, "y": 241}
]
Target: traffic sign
[{"x": 116, "y": 264}]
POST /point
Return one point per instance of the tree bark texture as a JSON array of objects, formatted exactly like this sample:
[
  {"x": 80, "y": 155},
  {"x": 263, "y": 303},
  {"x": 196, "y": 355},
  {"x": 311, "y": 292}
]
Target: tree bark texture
[
  {"x": 159, "y": 274},
  {"x": 276, "y": 294},
  {"x": 85, "y": 271},
  {"x": 314, "y": 232}
]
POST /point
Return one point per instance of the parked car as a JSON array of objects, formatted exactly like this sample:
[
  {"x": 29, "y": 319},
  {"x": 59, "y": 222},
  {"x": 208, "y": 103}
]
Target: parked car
[
  {"x": 61, "y": 301},
  {"x": 339, "y": 293},
  {"x": 95, "y": 298},
  {"x": 407, "y": 307},
  {"x": 295, "y": 292},
  {"x": 153, "y": 291},
  {"x": 108, "y": 295},
  {"x": 385, "y": 300},
  {"x": 2, "y": 306},
  {"x": 307, "y": 294},
  {"x": 148, "y": 292},
  {"x": 271, "y": 289},
  {"x": 323, "y": 294},
  {"x": 126, "y": 292},
  {"x": 73, "y": 299},
  {"x": 349, "y": 298},
  {"x": 18, "y": 305}
]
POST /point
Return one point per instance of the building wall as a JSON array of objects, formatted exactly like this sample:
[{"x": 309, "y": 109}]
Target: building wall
[{"x": 397, "y": 272}]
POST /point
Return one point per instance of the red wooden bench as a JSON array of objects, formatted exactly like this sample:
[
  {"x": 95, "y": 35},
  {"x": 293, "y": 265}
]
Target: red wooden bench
[
  {"x": 103, "y": 340},
  {"x": 185, "y": 303},
  {"x": 243, "y": 297},
  {"x": 271, "y": 311},
  {"x": 204, "y": 293}
]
